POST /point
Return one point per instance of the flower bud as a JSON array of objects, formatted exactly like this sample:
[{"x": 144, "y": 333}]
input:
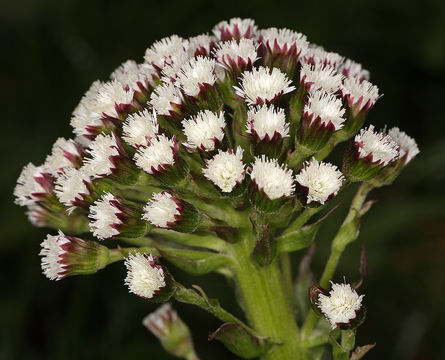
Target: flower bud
[
  {"x": 64, "y": 256},
  {"x": 235, "y": 29},
  {"x": 172, "y": 332}
]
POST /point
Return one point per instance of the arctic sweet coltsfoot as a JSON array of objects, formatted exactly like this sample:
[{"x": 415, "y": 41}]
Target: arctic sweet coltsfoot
[{"x": 209, "y": 155}]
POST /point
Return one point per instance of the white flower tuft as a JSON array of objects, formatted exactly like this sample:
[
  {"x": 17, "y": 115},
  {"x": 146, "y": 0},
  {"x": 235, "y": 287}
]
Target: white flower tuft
[
  {"x": 195, "y": 73},
  {"x": 201, "y": 44},
  {"x": 381, "y": 146},
  {"x": 158, "y": 153},
  {"x": 27, "y": 185},
  {"x": 235, "y": 28},
  {"x": 163, "y": 98},
  {"x": 226, "y": 169},
  {"x": 351, "y": 68},
  {"x": 130, "y": 73},
  {"x": 104, "y": 217},
  {"x": 318, "y": 55},
  {"x": 326, "y": 106},
  {"x": 100, "y": 151},
  {"x": 161, "y": 321},
  {"x": 165, "y": 51},
  {"x": 52, "y": 252},
  {"x": 171, "y": 70},
  {"x": 204, "y": 129},
  {"x": 70, "y": 185},
  {"x": 58, "y": 159},
  {"x": 161, "y": 210},
  {"x": 284, "y": 38},
  {"x": 108, "y": 95},
  {"x": 320, "y": 76},
  {"x": 266, "y": 121},
  {"x": 342, "y": 304},
  {"x": 322, "y": 180},
  {"x": 360, "y": 92},
  {"x": 229, "y": 52},
  {"x": 407, "y": 145},
  {"x": 144, "y": 277},
  {"x": 274, "y": 179},
  {"x": 263, "y": 85},
  {"x": 139, "y": 128}
]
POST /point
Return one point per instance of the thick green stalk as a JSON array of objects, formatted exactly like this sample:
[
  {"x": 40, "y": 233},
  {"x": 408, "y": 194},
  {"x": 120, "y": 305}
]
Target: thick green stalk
[
  {"x": 347, "y": 233},
  {"x": 264, "y": 300}
]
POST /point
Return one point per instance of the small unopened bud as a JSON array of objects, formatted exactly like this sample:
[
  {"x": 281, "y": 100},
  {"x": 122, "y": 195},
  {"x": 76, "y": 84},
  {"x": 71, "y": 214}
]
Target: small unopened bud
[{"x": 172, "y": 332}]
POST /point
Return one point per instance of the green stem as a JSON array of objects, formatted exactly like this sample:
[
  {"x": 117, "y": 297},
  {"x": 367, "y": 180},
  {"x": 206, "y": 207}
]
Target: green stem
[
  {"x": 302, "y": 219},
  {"x": 264, "y": 299},
  {"x": 347, "y": 233},
  {"x": 204, "y": 241}
]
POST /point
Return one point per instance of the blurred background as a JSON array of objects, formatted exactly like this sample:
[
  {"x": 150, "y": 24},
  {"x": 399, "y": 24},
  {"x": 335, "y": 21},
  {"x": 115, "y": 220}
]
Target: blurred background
[{"x": 51, "y": 53}]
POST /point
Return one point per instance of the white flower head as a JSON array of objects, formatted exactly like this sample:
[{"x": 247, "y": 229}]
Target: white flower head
[
  {"x": 162, "y": 210},
  {"x": 407, "y": 145},
  {"x": 285, "y": 39},
  {"x": 342, "y": 304},
  {"x": 139, "y": 128},
  {"x": 109, "y": 95},
  {"x": 226, "y": 169},
  {"x": 27, "y": 185},
  {"x": 351, "y": 68},
  {"x": 228, "y": 54},
  {"x": 274, "y": 179},
  {"x": 163, "y": 321},
  {"x": 360, "y": 93},
  {"x": 82, "y": 118},
  {"x": 195, "y": 73},
  {"x": 130, "y": 73},
  {"x": 327, "y": 107},
  {"x": 165, "y": 51},
  {"x": 235, "y": 28},
  {"x": 263, "y": 85},
  {"x": 204, "y": 129},
  {"x": 320, "y": 76},
  {"x": 36, "y": 215},
  {"x": 200, "y": 45},
  {"x": 104, "y": 219},
  {"x": 381, "y": 147},
  {"x": 158, "y": 154},
  {"x": 52, "y": 254},
  {"x": 70, "y": 186},
  {"x": 101, "y": 150},
  {"x": 322, "y": 180},
  {"x": 144, "y": 277},
  {"x": 318, "y": 55},
  {"x": 165, "y": 98},
  {"x": 265, "y": 121},
  {"x": 63, "y": 153},
  {"x": 171, "y": 69}
]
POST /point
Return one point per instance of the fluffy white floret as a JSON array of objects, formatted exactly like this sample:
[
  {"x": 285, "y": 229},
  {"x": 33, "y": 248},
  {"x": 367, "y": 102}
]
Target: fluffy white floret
[
  {"x": 52, "y": 252},
  {"x": 226, "y": 169},
  {"x": 70, "y": 185},
  {"x": 326, "y": 106},
  {"x": 407, "y": 145},
  {"x": 321, "y": 76},
  {"x": 139, "y": 128},
  {"x": 165, "y": 51},
  {"x": 350, "y": 68},
  {"x": 57, "y": 160},
  {"x": 130, "y": 73},
  {"x": 263, "y": 85},
  {"x": 103, "y": 215},
  {"x": 108, "y": 95},
  {"x": 163, "y": 97},
  {"x": 203, "y": 129},
  {"x": 276, "y": 181},
  {"x": 361, "y": 92},
  {"x": 318, "y": 55},
  {"x": 231, "y": 51},
  {"x": 237, "y": 27},
  {"x": 200, "y": 42},
  {"x": 285, "y": 38},
  {"x": 158, "y": 152},
  {"x": 98, "y": 164},
  {"x": 342, "y": 304},
  {"x": 195, "y": 73},
  {"x": 161, "y": 210},
  {"x": 381, "y": 146},
  {"x": 323, "y": 180},
  {"x": 27, "y": 185},
  {"x": 144, "y": 277},
  {"x": 267, "y": 120}
]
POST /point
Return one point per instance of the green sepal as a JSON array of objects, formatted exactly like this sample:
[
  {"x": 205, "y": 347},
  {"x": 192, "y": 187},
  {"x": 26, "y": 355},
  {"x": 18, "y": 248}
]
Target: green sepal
[
  {"x": 361, "y": 351},
  {"x": 168, "y": 290},
  {"x": 241, "y": 341},
  {"x": 265, "y": 249},
  {"x": 195, "y": 262}
]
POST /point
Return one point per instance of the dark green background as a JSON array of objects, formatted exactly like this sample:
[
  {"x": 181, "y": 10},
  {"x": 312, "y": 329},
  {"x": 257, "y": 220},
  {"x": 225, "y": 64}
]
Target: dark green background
[{"x": 50, "y": 53}]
